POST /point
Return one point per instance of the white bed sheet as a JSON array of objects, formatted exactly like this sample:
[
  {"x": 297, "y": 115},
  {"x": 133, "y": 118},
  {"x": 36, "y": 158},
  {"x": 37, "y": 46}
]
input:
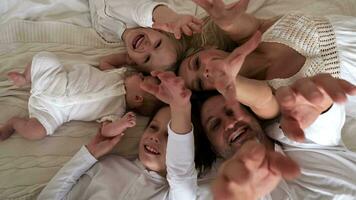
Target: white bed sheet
[{"x": 26, "y": 166}]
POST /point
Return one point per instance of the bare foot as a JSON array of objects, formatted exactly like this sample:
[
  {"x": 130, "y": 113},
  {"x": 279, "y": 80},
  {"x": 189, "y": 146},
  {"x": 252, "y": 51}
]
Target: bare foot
[
  {"x": 17, "y": 78},
  {"x": 5, "y": 132}
]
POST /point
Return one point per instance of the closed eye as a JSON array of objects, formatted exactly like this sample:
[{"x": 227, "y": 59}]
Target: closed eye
[
  {"x": 147, "y": 59},
  {"x": 158, "y": 44},
  {"x": 214, "y": 124}
]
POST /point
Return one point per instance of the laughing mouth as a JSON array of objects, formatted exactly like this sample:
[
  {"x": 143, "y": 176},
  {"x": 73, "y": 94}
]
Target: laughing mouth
[
  {"x": 151, "y": 150},
  {"x": 136, "y": 43},
  {"x": 237, "y": 135}
]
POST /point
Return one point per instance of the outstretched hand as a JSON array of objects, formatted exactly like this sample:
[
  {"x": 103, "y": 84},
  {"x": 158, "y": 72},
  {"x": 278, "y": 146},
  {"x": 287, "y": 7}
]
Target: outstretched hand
[
  {"x": 252, "y": 173},
  {"x": 223, "y": 15},
  {"x": 222, "y": 72},
  {"x": 101, "y": 145},
  {"x": 181, "y": 24},
  {"x": 303, "y": 102},
  {"x": 171, "y": 90}
]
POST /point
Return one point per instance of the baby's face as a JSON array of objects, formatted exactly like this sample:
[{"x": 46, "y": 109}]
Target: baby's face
[
  {"x": 150, "y": 49},
  {"x": 153, "y": 143},
  {"x": 133, "y": 82}
]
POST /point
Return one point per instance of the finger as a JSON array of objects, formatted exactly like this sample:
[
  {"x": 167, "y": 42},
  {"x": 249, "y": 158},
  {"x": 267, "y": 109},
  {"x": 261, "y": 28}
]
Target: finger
[
  {"x": 286, "y": 98},
  {"x": 242, "y": 4},
  {"x": 253, "y": 155},
  {"x": 177, "y": 32},
  {"x": 195, "y": 28},
  {"x": 348, "y": 87},
  {"x": 197, "y": 21},
  {"x": 234, "y": 170},
  {"x": 280, "y": 164},
  {"x": 162, "y": 26},
  {"x": 166, "y": 76},
  {"x": 205, "y": 4},
  {"x": 155, "y": 73},
  {"x": 218, "y": 5},
  {"x": 241, "y": 52},
  {"x": 292, "y": 129},
  {"x": 331, "y": 87},
  {"x": 308, "y": 90},
  {"x": 186, "y": 30},
  {"x": 149, "y": 87}
]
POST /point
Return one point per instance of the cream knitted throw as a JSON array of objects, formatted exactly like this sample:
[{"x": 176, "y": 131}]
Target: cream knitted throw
[{"x": 26, "y": 166}]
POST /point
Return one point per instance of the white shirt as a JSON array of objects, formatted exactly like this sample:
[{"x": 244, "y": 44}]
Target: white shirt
[
  {"x": 328, "y": 169},
  {"x": 117, "y": 178}
]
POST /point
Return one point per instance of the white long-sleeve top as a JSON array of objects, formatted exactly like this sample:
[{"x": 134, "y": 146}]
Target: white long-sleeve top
[
  {"x": 117, "y": 178},
  {"x": 328, "y": 168},
  {"x": 110, "y": 18}
]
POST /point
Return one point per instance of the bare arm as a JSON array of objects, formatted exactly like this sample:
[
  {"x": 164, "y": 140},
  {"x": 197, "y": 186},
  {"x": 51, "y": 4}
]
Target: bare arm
[
  {"x": 114, "y": 61},
  {"x": 232, "y": 18},
  {"x": 258, "y": 96}
]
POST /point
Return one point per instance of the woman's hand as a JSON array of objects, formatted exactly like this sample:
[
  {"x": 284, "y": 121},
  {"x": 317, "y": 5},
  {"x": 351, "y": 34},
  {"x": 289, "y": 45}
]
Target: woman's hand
[
  {"x": 252, "y": 173},
  {"x": 100, "y": 145},
  {"x": 222, "y": 72},
  {"x": 302, "y": 102}
]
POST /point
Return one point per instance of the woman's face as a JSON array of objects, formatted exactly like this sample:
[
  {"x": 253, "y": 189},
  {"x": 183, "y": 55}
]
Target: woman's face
[
  {"x": 150, "y": 49},
  {"x": 153, "y": 143},
  {"x": 193, "y": 67}
]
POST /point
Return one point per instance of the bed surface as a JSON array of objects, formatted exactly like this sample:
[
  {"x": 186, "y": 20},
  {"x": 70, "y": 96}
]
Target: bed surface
[{"x": 64, "y": 28}]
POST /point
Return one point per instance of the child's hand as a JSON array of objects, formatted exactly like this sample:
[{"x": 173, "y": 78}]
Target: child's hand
[
  {"x": 302, "y": 102},
  {"x": 222, "y": 72},
  {"x": 112, "y": 129},
  {"x": 223, "y": 15},
  {"x": 171, "y": 90},
  {"x": 100, "y": 145},
  {"x": 252, "y": 173},
  {"x": 186, "y": 24}
]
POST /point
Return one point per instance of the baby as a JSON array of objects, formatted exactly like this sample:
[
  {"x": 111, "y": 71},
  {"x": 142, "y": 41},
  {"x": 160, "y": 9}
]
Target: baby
[{"x": 80, "y": 92}]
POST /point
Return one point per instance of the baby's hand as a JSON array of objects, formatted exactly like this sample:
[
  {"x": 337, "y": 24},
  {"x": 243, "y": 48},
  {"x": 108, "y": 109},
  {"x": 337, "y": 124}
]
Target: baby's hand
[
  {"x": 186, "y": 24},
  {"x": 111, "y": 129},
  {"x": 222, "y": 72},
  {"x": 171, "y": 90}
]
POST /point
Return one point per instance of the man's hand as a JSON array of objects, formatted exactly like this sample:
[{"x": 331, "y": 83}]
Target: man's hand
[
  {"x": 302, "y": 102},
  {"x": 252, "y": 172}
]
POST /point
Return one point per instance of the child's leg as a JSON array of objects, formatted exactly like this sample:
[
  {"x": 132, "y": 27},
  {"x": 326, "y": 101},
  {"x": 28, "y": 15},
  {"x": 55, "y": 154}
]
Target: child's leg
[
  {"x": 21, "y": 79},
  {"x": 30, "y": 129},
  {"x": 119, "y": 126}
]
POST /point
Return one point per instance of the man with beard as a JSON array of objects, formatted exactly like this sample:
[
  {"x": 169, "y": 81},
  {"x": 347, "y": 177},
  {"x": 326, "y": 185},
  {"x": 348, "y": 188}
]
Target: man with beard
[{"x": 308, "y": 159}]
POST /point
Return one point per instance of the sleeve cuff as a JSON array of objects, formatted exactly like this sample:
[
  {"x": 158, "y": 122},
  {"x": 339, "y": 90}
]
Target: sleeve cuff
[
  {"x": 145, "y": 19},
  {"x": 86, "y": 155},
  {"x": 180, "y": 137}
]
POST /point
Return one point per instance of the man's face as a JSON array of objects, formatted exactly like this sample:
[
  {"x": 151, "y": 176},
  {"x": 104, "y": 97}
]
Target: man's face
[
  {"x": 226, "y": 132},
  {"x": 192, "y": 68},
  {"x": 150, "y": 49}
]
